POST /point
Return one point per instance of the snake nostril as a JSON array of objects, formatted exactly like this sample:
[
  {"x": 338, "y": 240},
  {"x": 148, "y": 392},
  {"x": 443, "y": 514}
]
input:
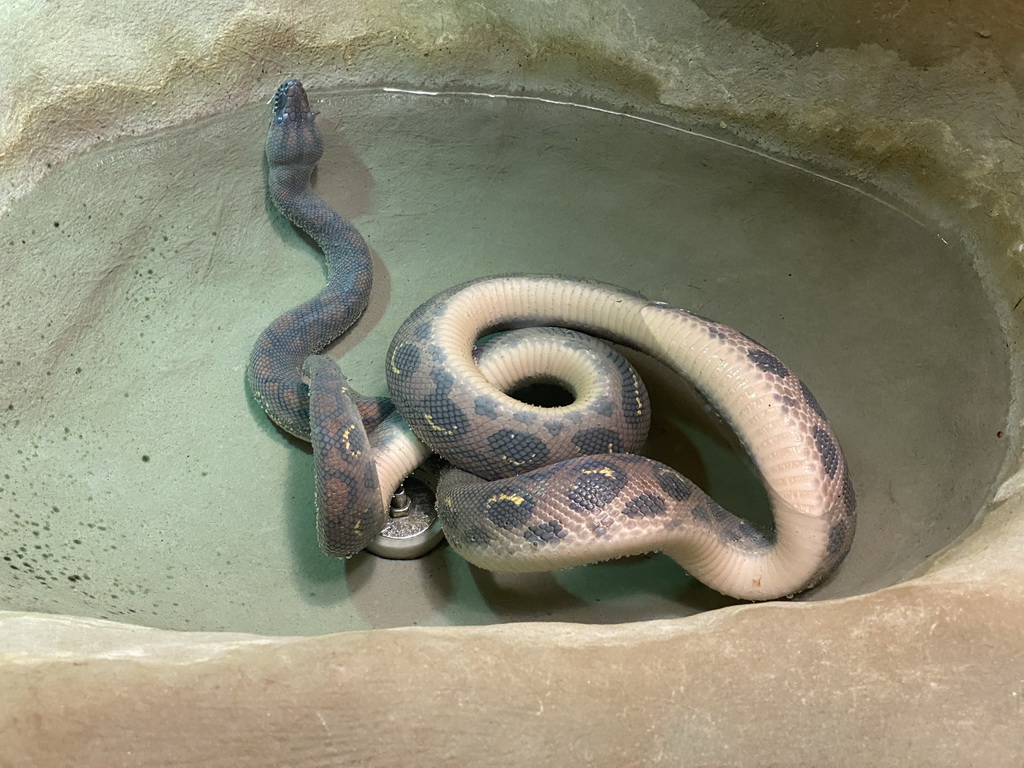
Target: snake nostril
[{"x": 544, "y": 395}]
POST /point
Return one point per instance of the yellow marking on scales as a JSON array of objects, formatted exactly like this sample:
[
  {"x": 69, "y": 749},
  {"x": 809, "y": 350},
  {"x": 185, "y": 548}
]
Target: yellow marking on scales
[
  {"x": 346, "y": 435},
  {"x": 606, "y": 471},
  {"x": 436, "y": 427},
  {"x": 394, "y": 368},
  {"x": 636, "y": 395},
  {"x": 515, "y": 498}
]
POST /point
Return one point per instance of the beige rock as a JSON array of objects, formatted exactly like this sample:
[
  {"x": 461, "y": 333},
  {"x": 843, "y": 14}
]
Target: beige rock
[{"x": 922, "y": 99}]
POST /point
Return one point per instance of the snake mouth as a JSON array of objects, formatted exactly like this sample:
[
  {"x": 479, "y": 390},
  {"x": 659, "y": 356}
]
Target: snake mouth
[{"x": 291, "y": 104}]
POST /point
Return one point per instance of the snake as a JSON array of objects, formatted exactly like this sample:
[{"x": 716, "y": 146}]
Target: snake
[{"x": 540, "y": 487}]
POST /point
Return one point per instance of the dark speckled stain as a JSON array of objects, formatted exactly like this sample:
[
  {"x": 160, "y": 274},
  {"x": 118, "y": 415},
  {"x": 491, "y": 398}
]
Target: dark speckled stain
[
  {"x": 422, "y": 331},
  {"x": 598, "y": 483},
  {"x": 524, "y": 417},
  {"x": 517, "y": 449},
  {"x": 675, "y": 485},
  {"x": 553, "y": 427},
  {"x": 768, "y": 362},
  {"x": 604, "y": 407},
  {"x": 827, "y": 449},
  {"x": 436, "y": 353},
  {"x": 597, "y": 440},
  {"x": 510, "y": 508},
  {"x": 485, "y": 406},
  {"x": 644, "y": 505},
  {"x": 406, "y": 359},
  {"x": 550, "y": 532}
]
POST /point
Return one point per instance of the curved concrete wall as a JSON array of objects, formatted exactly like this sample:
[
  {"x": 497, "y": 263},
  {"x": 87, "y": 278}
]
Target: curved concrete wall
[{"x": 922, "y": 99}]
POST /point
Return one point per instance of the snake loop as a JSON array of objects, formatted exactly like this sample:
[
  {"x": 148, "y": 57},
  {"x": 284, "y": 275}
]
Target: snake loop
[{"x": 531, "y": 487}]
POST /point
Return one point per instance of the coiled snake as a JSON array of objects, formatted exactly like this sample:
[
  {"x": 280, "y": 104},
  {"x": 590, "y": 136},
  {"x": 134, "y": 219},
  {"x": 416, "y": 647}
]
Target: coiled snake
[{"x": 534, "y": 488}]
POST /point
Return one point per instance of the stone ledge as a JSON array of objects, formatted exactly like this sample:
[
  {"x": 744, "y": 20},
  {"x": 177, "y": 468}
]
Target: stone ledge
[{"x": 929, "y": 670}]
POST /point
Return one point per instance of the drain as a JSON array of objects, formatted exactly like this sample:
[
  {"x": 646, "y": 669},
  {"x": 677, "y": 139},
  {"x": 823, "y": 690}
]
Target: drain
[{"x": 413, "y": 529}]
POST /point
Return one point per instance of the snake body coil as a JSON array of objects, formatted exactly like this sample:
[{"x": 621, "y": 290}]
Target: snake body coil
[{"x": 536, "y": 488}]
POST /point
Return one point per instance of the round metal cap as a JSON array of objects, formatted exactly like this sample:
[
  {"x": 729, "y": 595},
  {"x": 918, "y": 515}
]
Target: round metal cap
[{"x": 413, "y": 529}]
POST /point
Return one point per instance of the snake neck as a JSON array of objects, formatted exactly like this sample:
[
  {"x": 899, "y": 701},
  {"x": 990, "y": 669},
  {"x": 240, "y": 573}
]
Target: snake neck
[
  {"x": 349, "y": 265},
  {"x": 294, "y": 147}
]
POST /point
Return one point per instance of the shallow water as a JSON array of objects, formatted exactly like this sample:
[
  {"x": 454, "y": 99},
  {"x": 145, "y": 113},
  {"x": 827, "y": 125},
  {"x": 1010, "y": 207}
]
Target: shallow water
[{"x": 140, "y": 482}]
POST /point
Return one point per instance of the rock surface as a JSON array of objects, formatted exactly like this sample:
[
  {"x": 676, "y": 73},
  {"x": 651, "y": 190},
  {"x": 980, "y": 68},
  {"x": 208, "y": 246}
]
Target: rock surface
[{"x": 928, "y": 672}]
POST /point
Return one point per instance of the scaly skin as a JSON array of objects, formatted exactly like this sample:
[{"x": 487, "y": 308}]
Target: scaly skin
[{"x": 541, "y": 488}]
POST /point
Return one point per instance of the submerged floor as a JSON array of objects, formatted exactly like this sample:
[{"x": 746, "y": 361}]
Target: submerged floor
[{"x": 140, "y": 481}]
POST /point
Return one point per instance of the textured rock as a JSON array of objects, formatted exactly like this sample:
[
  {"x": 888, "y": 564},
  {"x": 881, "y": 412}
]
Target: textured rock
[{"x": 928, "y": 672}]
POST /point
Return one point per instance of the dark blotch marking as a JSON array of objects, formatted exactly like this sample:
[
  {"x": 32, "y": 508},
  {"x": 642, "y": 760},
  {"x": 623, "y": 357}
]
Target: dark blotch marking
[
  {"x": 604, "y": 407},
  {"x": 727, "y": 527},
  {"x": 736, "y": 530},
  {"x": 839, "y": 537},
  {"x": 550, "y": 532},
  {"x": 849, "y": 496},
  {"x": 597, "y": 440},
  {"x": 518, "y": 449},
  {"x": 644, "y": 505},
  {"x": 598, "y": 483},
  {"x": 484, "y": 406},
  {"x": 634, "y": 402},
  {"x": 443, "y": 412},
  {"x": 827, "y": 449},
  {"x": 812, "y": 401},
  {"x": 553, "y": 427},
  {"x": 702, "y": 513},
  {"x": 675, "y": 485},
  {"x": 422, "y": 331},
  {"x": 443, "y": 380},
  {"x": 510, "y": 508},
  {"x": 406, "y": 359},
  {"x": 768, "y": 362}
]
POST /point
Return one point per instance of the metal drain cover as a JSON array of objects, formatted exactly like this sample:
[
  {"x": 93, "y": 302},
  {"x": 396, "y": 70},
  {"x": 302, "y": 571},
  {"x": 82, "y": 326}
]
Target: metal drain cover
[{"x": 413, "y": 529}]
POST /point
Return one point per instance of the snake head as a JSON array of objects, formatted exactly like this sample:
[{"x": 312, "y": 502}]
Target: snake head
[
  {"x": 291, "y": 104},
  {"x": 293, "y": 139}
]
